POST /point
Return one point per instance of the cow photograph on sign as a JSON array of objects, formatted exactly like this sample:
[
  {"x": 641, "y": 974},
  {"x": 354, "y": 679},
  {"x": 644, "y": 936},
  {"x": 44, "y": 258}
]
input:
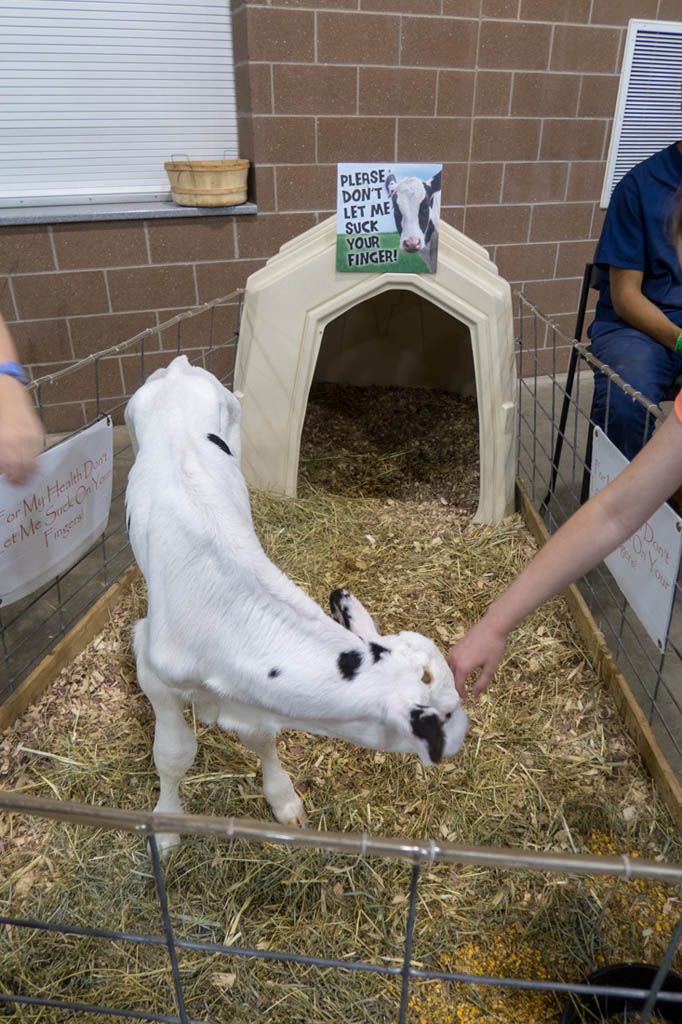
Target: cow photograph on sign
[{"x": 388, "y": 217}]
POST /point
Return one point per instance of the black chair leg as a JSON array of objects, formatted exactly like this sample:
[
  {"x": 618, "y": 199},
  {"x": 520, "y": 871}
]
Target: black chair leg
[
  {"x": 558, "y": 447},
  {"x": 592, "y": 277},
  {"x": 585, "y": 489}
]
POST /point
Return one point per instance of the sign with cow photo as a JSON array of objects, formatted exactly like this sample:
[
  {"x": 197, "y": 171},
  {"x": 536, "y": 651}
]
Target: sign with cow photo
[{"x": 387, "y": 218}]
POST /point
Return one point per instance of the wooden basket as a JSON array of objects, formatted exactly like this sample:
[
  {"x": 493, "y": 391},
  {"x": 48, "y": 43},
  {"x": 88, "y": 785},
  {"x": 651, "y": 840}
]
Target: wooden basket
[{"x": 207, "y": 182}]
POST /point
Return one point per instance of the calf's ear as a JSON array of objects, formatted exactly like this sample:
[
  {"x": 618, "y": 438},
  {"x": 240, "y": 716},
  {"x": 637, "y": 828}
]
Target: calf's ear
[{"x": 352, "y": 614}]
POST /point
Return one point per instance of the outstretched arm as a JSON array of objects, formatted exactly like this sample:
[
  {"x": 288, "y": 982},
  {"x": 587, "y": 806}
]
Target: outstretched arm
[
  {"x": 21, "y": 433},
  {"x": 592, "y": 533}
]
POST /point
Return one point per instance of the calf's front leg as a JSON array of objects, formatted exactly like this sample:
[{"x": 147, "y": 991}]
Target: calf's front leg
[
  {"x": 285, "y": 802},
  {"x": 175, "y": 746}
]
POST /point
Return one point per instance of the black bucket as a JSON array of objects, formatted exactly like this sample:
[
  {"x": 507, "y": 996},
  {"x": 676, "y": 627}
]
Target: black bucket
[{"x": 583, "y": 1009}]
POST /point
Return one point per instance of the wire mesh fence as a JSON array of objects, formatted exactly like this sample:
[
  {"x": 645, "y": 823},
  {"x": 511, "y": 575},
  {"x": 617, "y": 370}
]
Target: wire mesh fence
[
  {"x": 404, "y": 967},
  {"x": 73, "y": 399},
  {"x": 554, "y": 467}
]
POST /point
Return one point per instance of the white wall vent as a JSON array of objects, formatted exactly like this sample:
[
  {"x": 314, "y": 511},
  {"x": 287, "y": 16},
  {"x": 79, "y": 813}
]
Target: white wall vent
[{"x": 647, "y": 114}]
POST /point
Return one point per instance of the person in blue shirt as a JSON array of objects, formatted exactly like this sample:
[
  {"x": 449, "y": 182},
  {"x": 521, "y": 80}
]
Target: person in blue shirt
[{"x": 637, "y": 328}]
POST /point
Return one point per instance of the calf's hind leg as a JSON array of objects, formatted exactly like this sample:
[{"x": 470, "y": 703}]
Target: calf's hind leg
[
  {"x": 175, "y": 745},
  {"x": 279, "y": 792}
]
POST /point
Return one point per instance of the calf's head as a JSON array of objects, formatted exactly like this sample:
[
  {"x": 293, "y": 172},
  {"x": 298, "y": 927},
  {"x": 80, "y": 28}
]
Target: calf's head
[
  {"x": 182, "y": 392},
  {"x": 424, "y": 707},
  {"x": 412, "y": 210}
]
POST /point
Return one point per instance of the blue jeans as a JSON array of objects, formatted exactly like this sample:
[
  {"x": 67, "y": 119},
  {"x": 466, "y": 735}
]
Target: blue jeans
[{"x": 648, "y": 367}]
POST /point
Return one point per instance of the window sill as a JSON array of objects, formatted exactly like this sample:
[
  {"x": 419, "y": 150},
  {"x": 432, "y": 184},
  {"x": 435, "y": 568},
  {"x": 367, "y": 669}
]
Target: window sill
[{"x": 87, "y": 212}]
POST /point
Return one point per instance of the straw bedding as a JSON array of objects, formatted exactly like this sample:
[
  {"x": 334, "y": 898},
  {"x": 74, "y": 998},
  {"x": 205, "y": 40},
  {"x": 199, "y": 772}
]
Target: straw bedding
[{"x": 546, "y": 766}]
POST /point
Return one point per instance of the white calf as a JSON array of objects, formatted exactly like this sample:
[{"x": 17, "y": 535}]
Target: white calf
[
  {"x": 416, "y": 208},
  {"x": 227, "y": 631}
]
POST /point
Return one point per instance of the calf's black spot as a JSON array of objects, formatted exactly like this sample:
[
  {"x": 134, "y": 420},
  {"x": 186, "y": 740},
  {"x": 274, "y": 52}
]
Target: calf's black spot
[
  {"x": 377, "y": 650},
  {"x": 219, "y": 441},
  {"x": 424, "y": 211},
  {"x": 426, "y": 725},
  {"x": 349, "y": 663},
  {"x": 274, "y": 672}
]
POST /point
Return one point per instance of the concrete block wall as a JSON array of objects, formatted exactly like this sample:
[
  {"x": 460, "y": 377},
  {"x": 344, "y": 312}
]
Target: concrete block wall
[{"x": 515, "y": 97}]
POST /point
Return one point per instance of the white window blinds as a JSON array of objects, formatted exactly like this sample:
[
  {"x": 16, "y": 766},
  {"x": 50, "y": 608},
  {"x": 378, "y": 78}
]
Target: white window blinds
[
  {"x": 648, "y": 113},
  {"x": 97, "y": 94}
]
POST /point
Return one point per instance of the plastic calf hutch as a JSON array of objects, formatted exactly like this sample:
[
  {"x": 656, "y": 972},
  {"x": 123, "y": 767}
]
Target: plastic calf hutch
[{"x": 298, "y": 294}]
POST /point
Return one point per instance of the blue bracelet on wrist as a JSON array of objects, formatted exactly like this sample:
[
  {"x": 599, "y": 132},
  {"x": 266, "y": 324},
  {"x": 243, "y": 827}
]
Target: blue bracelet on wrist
[{"x": 11, "y": 369}]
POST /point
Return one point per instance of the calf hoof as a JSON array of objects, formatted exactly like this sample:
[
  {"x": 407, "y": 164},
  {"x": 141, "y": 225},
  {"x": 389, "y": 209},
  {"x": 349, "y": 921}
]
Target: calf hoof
[
  {"x": 165, "y": 842},
  {"x": 300, "y": 818},
  {"x": 291, "y": 813}
]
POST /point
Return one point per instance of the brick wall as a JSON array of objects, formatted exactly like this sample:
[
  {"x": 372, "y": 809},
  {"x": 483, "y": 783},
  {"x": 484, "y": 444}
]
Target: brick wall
[{"x": 513, "y": 96}]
